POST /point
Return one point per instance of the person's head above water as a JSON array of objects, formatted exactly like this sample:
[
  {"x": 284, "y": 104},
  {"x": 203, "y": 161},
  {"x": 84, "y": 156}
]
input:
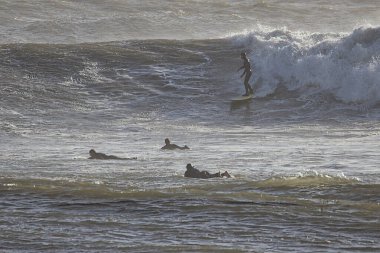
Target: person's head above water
[
  {"x": 167, "y": 142},
  {"x": 243, "y": 55},
  {"x": 92, "y": 152},
  {"x": 188, "y": 166}
]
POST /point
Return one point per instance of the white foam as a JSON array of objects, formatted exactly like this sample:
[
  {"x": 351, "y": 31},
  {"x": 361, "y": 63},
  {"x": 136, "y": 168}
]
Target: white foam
[
  {"x": 347, "y": 65},
  {"x": 92, "y": 72}
]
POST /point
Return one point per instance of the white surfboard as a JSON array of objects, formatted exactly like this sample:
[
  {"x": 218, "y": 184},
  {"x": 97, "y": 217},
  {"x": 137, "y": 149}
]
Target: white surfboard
[{"x": 241, "y": 98}]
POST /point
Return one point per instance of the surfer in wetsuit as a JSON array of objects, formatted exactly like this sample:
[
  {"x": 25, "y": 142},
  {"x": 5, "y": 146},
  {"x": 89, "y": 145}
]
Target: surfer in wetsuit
[
  {"x": 170, "y": 146},
  {"x": 195, "y": 173},
  {"x": 101, "y": 156},
  {"x": 247, "y": 72}
]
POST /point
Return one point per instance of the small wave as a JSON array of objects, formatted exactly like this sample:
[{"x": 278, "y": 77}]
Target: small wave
[{"x": 307, "y": 179}]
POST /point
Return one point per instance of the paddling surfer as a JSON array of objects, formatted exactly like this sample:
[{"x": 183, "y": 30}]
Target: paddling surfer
[
  {"x": 171, "y": 146},
  {"x": 247, "y": 72},
  {"x": 102, "y": 156},
  {"x": 191, "y": 171}
]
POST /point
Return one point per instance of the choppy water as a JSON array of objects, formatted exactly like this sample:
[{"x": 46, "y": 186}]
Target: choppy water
[{"x": 122, "y": 76}]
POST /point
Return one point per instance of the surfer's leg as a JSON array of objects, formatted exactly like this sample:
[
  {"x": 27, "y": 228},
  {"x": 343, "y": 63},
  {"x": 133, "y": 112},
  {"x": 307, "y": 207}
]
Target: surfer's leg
[
  {"x": 215, "y": 175},
  {"x": 246, "y": 84},
  {"x": 205, "y": 174},
  {"x": 248, "y": 87},
  {"x": 225, "y": 174}
]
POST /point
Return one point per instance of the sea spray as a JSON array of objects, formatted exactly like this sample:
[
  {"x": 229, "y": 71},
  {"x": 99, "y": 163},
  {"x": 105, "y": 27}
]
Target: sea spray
[{"x": 346, "y": 65}]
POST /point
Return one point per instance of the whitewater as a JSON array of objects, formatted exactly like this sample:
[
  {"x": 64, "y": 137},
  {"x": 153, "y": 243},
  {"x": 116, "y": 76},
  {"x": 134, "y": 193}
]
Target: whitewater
[{"x": 121, "y": 76}]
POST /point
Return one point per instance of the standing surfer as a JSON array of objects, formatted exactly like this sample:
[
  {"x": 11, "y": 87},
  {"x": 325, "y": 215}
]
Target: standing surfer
[{"x": 247, "y": 72}]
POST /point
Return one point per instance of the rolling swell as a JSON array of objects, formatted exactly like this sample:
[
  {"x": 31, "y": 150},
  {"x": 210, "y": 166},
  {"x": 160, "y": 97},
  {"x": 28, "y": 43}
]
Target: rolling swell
[
  {"x": 308, "y": 191},
  {"x": 296, "y": 75}
]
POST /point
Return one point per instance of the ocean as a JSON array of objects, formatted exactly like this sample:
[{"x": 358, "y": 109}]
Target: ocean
[{"x": 120, "y": 76}]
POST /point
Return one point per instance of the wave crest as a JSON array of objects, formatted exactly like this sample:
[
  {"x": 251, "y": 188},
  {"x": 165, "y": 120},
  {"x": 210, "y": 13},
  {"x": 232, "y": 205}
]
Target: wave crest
[
  {"x": 344, "y": 65},
  {"x": 307, "y": 179}
]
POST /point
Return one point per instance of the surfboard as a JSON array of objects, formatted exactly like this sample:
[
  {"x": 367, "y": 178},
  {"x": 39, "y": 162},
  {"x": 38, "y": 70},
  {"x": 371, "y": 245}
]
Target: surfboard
[{"x": 241, "y": 98}]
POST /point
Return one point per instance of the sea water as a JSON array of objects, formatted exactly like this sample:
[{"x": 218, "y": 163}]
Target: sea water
[{"x": 121, "y": 76}]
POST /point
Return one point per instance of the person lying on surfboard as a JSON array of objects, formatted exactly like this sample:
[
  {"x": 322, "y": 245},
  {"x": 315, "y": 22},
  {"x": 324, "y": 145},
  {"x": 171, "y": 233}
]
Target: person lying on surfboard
[
  {"x": 195, "y": 173},
  {"x": 101, "y": 156},
  {"x": 247, "y": 72},
  {"x": 170, "y": 146}
]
